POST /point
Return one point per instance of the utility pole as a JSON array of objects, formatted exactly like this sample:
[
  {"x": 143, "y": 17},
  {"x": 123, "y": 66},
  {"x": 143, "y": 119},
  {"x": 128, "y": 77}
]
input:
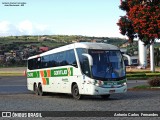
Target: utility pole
[{"x": 152, "y": 64}]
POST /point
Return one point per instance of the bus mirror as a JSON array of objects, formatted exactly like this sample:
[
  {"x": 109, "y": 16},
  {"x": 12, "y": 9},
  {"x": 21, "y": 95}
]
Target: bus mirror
[{"x": 89, "y": 58}]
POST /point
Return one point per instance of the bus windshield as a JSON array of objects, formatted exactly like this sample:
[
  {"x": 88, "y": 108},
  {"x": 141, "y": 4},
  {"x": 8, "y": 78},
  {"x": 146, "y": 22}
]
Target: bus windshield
[{"x": 107, "y": 64}]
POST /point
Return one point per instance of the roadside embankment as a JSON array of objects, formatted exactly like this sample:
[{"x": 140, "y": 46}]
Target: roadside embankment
[{"x": 14, "y": 71}]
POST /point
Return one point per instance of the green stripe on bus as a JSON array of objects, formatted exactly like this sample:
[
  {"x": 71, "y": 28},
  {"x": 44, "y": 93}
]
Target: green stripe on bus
[
  {"x": 38, "y": 74},
  {"x": 112, "y": 82},
  {"x": 33, "y": 74},
  {"x": 61, "y": 72},
  {"x": 47, "y": 80},
  {"x": 71, "y": 69},
  {"x": 54, "y": 73},
  {"x": 45, "y": 73}
]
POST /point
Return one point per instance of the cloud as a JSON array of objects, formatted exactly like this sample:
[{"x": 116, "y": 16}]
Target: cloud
[
  {"x": 41, "y": 27},
  {"x": 4, "y": 26},
  {"x": 25, "y": 27}
]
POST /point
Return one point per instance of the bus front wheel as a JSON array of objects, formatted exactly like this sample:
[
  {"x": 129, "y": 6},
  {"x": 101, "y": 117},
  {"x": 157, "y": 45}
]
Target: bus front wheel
[{"x": 75, "y": 92}]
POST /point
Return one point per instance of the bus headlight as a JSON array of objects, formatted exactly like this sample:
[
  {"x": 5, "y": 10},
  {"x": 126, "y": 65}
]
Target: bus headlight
[
  {"x": 99, "y": 83},
  {"x": 124, "y": 84}
]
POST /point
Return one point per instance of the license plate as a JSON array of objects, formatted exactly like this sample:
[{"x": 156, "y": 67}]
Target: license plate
[{"x": 112, "y": 91}]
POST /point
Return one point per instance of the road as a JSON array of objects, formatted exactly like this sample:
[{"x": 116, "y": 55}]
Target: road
[
  {"x": 17, "y": 84},
  {"x": 12, "y": 85},
  {"x": 14, "y": 96}
]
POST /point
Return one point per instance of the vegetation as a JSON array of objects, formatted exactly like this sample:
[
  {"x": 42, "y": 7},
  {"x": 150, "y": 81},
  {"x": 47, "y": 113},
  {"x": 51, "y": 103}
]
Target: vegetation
[
  {"x": 142, "y": 87},
  {"x": 142, "y": 20},
  {"x": 154, "y": 82},
  {"x": 55, "y": 39},
  {"x": 16, "y": 49},
  {"x": 132, "y": 49},
  {"x": 11, "y": 74},
  {"x": 142, "y": 75}
]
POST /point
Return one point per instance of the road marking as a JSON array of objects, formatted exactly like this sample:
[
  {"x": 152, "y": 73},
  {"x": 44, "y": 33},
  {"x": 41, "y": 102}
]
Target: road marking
[{"x": 12, "y": 85}]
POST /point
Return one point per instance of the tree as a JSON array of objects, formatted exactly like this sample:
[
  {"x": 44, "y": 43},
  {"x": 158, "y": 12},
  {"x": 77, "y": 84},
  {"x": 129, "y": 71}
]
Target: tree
[{"x": 142, "y": 20}]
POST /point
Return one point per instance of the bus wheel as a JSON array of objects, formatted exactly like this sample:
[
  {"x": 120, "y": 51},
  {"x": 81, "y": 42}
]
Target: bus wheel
[
  {"x": 105, "y": 96},
  {"x": 35, "y": 88},
  {"x": 40, "y": 91},
  {"x": 75, "y": 92}
]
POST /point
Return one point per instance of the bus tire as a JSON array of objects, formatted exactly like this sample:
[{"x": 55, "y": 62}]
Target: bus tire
[
  {"x": 75, "y": 92},
  {"x": 105, "y": 96},
  {"x": 35, "y": 89},
  {"x": 40, "y": 90}
]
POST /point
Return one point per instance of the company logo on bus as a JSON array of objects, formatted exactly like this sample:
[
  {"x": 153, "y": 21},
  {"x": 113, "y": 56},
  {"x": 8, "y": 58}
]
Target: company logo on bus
[{"x": 29, "y": 74}]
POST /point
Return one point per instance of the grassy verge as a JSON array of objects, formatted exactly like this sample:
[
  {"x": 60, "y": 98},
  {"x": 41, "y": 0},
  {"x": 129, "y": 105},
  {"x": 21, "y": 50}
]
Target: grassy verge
[
  {"x": 11, "y": 74},
  {"x": 144, "y": 87},
  {"x": 12, "y": 71},
  {"x": 144, "y": 75}
]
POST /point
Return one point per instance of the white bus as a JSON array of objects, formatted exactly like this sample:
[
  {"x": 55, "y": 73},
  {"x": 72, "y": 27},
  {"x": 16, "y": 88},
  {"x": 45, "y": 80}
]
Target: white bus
[{"x": 78, "y": 69}]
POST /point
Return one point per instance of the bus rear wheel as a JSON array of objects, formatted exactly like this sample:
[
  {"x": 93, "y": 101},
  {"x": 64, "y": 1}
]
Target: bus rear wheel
[
  {"x": 75, "y": 92},
  {"x": 40, "y": 90},
  {"x": 35, "y": 89}
]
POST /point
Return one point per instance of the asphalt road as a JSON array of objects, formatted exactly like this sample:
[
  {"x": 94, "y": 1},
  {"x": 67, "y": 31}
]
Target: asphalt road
[
  {"x": 14, "y": 96},
  {"x": 16, "y": 84}
]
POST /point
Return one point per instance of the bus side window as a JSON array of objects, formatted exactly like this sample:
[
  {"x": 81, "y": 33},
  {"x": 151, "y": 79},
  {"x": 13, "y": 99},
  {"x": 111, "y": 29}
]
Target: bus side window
[
  {"x": 83, "y": 61},
  {"x": 52, "y": 60},
  {"x": 71, "y": 59},
  {"x": 45, "y": 62},
  {"x": 62, "y": 58},
  {"x": 30, "y": 64},
  {"x": 34, "y": 63},
  {"x": 37, "y": 63}
]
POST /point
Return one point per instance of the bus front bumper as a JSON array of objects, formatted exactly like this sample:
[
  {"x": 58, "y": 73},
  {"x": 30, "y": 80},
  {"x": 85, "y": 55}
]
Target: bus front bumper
[{"x": 102, "y": 90}]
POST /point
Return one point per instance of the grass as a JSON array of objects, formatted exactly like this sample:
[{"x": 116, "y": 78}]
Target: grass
[
  {"x": 141, "y": 75},
  {"x": 144, "y": 87},
  {"x": 14, "y": 71},
  {"x": 11, "y": 74}
]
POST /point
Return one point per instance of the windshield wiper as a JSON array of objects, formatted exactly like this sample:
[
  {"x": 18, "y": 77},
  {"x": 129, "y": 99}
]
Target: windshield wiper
[{"x": 109, "y": 69}]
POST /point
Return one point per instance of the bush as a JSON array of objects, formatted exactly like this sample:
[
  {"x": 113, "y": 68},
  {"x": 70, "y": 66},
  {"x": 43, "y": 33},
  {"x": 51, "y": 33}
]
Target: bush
[{"x": 154, "y": 82}]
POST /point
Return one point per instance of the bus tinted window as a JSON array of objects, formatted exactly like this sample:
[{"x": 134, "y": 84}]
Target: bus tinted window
[
  {"x": 30, "y": 64},
  {"x": 61, "y": 59},
  {"x": 53, "y": 60},
  {"x": 83, "y": 61},
  {"x": 45, "y": 61},
  {"x": 34, "y": 63},
  {"x": 70, "y": 58}
]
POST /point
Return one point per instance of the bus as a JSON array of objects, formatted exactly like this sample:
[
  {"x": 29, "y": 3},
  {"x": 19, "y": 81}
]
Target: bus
[{"x": 83, "y": 68}]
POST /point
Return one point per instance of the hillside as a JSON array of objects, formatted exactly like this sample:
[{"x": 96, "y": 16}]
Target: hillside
[
  {"x": 46, "y": 40},
  {"x": 14, "y": 50}
]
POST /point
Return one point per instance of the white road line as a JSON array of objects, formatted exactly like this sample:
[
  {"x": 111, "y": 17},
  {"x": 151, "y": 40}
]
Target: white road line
[{"x": 11, "y": 85}]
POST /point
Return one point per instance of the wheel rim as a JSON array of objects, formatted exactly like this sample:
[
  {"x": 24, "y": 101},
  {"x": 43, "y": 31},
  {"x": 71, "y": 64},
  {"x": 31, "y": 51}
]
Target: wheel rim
[
  {"x": 75, "y": 92},
  {"x": 40, "y": 90},
  {"x": 35, "y": 89}
]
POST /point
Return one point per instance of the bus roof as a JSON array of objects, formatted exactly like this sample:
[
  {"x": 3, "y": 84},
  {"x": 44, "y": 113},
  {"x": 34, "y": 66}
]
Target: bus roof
[{"x": 87, "y": 45}]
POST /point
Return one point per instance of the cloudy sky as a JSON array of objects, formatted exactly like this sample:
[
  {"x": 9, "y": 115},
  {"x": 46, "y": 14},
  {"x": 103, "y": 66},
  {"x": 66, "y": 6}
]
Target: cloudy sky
[{"x": 62, "y": 17}]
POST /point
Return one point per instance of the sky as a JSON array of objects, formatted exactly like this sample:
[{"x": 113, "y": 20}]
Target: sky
[{"x": 60, "y": 17}]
